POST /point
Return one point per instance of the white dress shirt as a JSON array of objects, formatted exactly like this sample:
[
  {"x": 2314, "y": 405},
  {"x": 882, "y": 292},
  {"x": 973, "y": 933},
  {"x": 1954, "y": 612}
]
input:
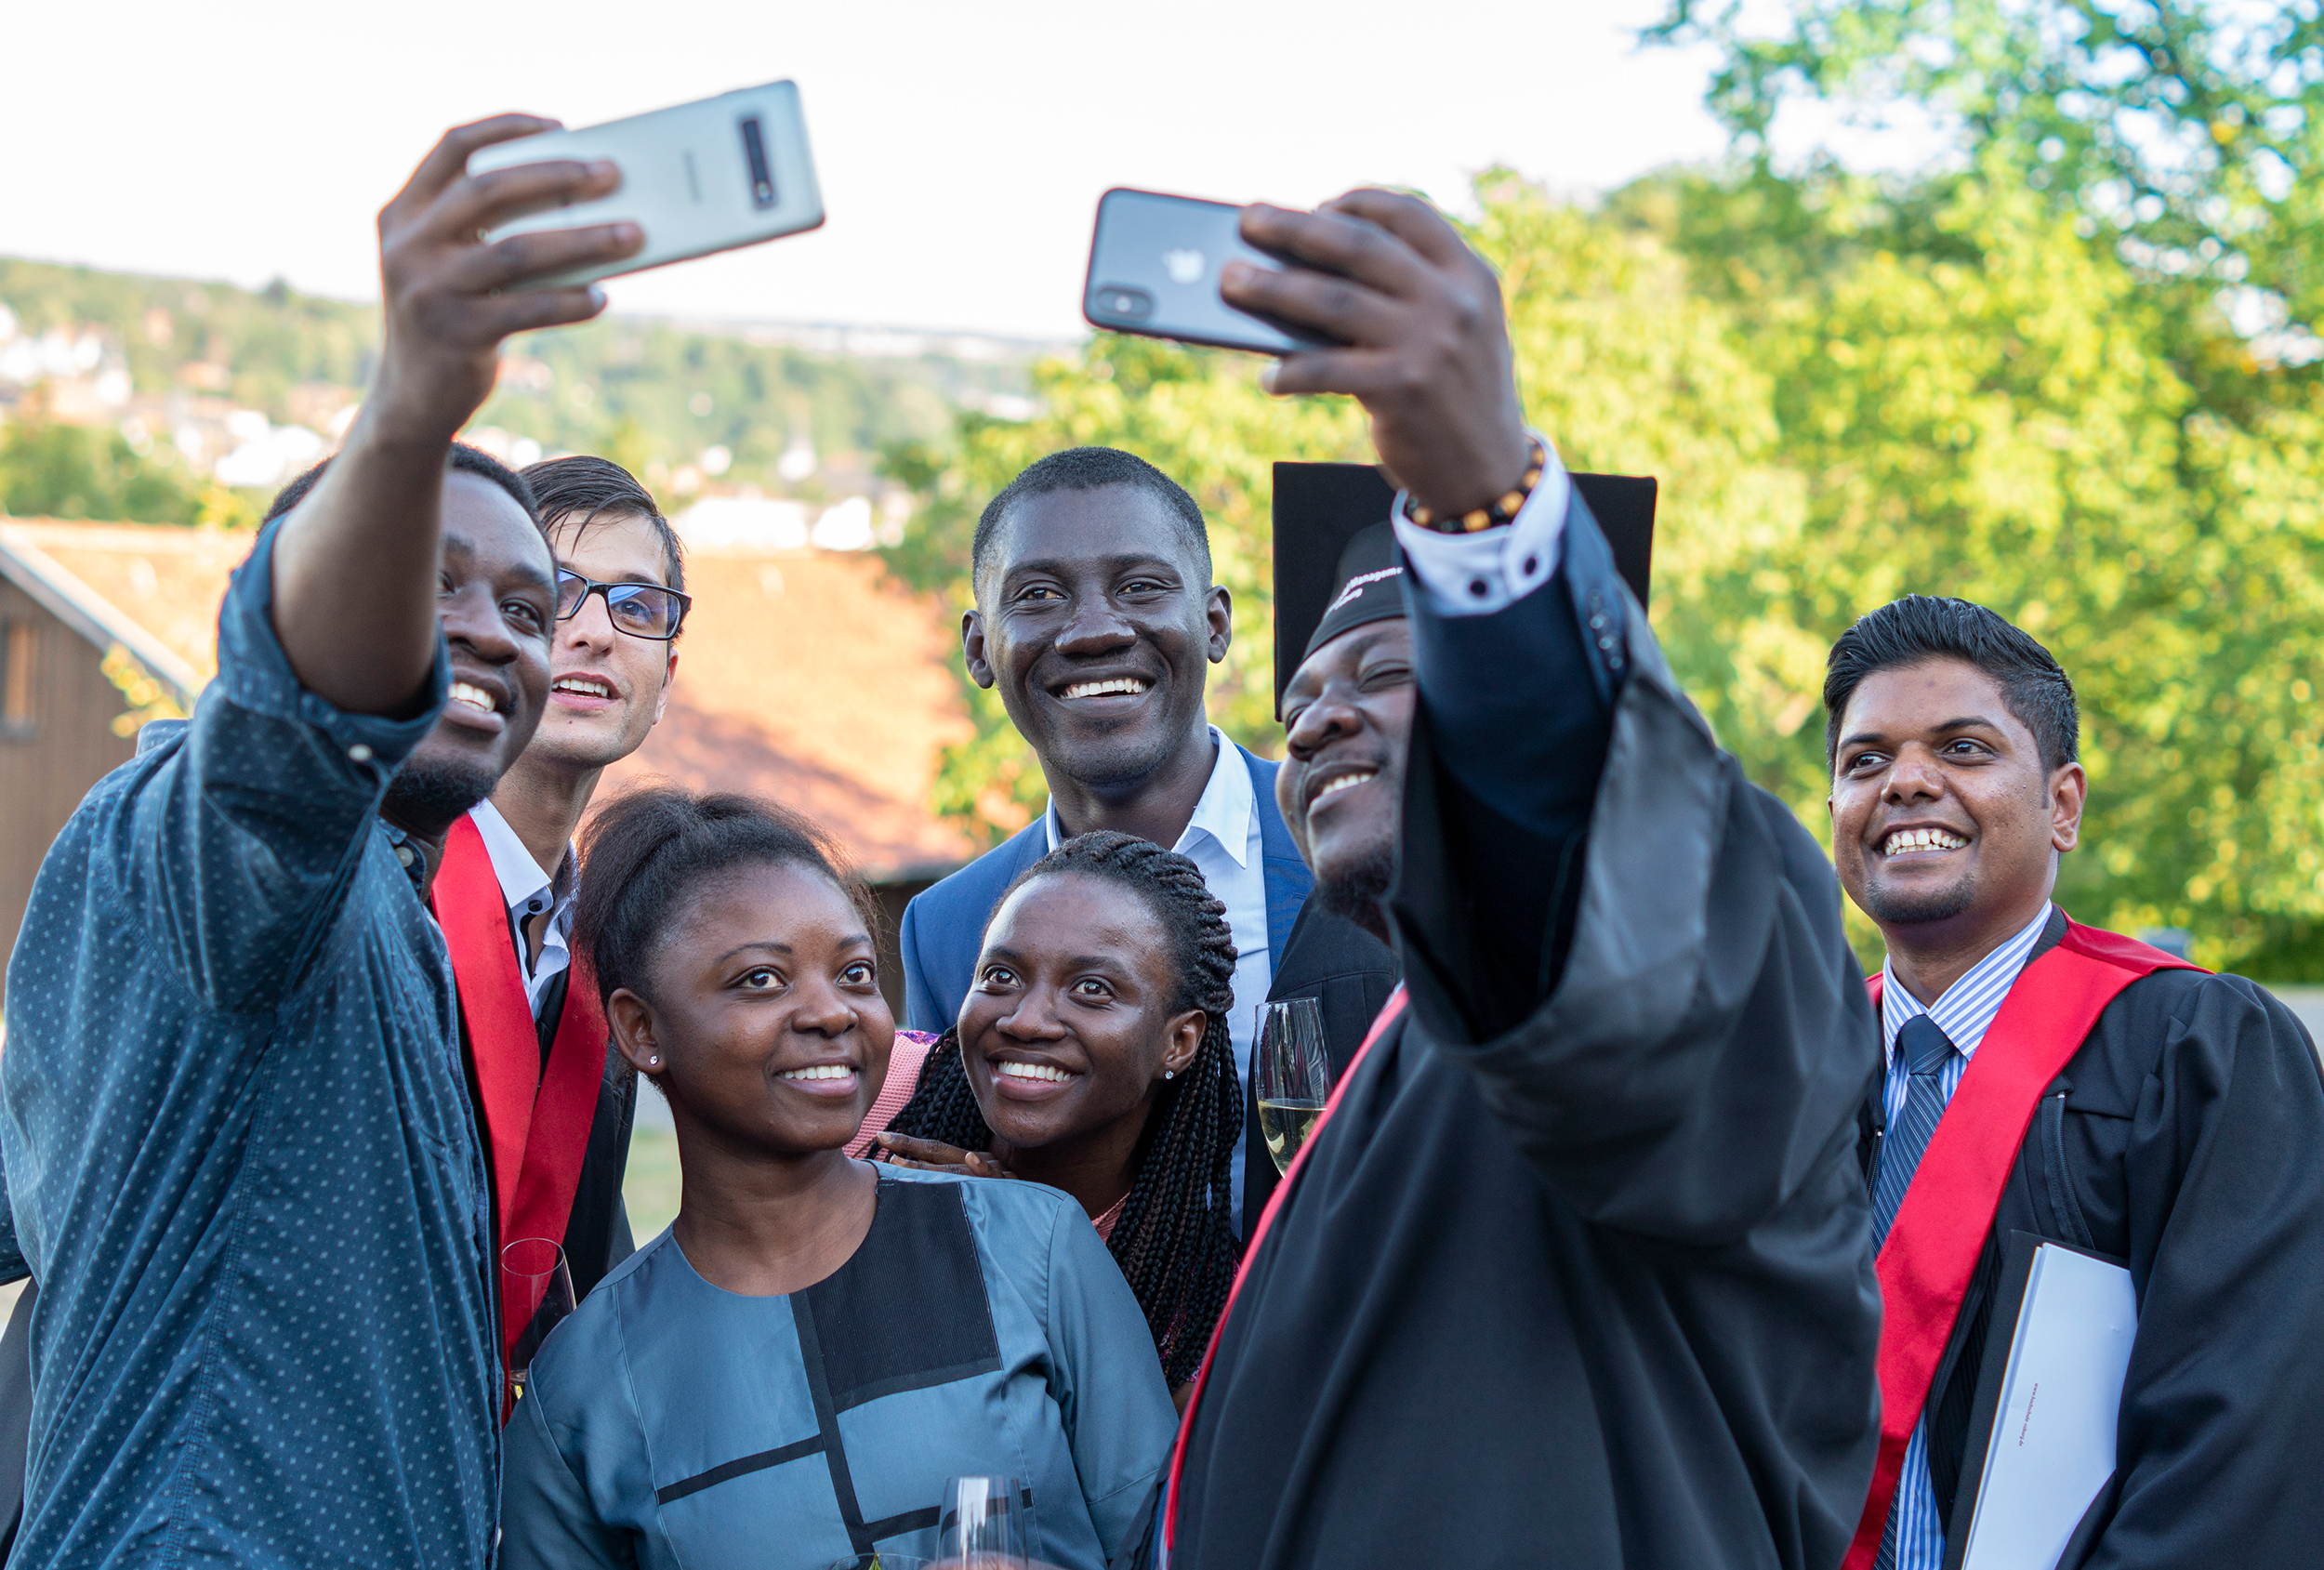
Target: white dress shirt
[
  {"x": 1477, "y": 575},
  {"x": 1223, "y": 840},
  {"x": 529, "y": 891}
]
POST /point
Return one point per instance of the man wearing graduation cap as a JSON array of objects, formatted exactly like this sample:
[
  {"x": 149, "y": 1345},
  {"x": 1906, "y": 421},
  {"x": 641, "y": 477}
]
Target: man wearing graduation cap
[{"x": 1575, "y": 1269}]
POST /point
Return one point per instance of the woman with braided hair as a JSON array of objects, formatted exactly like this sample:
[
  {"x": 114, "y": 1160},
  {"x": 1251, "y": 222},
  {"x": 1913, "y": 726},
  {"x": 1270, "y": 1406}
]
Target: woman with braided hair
[
  {"x": 788, "y": 1376},
  {"x": 1093, "y": 1055}
]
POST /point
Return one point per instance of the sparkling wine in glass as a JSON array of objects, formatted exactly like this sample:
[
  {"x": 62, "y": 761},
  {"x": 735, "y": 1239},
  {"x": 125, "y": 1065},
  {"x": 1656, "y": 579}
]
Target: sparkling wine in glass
[
  {"x": 1292, "y": 1076},
  {"x": 536, "y": 1292},
  {"x": 979, "y": 1522}
]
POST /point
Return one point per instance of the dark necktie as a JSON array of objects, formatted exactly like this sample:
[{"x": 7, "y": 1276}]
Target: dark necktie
[{"x": 1926, "y": 1049}]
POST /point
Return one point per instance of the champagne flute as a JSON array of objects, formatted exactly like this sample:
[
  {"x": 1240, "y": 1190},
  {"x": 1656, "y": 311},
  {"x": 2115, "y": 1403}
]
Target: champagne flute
[
  {"x": 981, "y": 1523},
  {"x": 1292, "y": 1074},
  {"x": 536, "y": 1292}
]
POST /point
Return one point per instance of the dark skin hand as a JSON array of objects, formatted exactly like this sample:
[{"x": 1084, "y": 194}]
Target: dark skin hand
[
  {"x": 1347, "y": 714},
  {"x": 1101, "y": 586},
  {"x": 768, "y": 1034},
  {"x": 1946, "y": 826},
  {"x": 496, "y": 599},
  {"x": 1065, "y": 1036},
  {"x": 1428, "y": 350},
  {"x": 355, "y": 566}
]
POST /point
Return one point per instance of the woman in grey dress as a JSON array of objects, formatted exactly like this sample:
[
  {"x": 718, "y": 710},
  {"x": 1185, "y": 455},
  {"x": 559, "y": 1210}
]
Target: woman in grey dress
[{"x": 786, "y": 1376}]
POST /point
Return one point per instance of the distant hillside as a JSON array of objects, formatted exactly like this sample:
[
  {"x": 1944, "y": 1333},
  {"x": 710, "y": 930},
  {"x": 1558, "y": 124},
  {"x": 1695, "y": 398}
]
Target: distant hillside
[{"x": 175, "y": 390}]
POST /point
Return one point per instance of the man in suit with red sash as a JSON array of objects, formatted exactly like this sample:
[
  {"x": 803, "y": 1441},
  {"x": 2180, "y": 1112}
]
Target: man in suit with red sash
[
  {"x": 555, "y": 1105},
  {"x": 2051, "y": 1079}
]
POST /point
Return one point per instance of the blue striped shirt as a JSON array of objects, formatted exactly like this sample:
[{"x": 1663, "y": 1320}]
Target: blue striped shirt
[{"x": 1965, "y": 1014}]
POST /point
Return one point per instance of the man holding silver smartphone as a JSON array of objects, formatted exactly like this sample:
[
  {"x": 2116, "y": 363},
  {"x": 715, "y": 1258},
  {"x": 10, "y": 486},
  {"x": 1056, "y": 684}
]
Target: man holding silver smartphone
[{"x": 242, "y": 1162}]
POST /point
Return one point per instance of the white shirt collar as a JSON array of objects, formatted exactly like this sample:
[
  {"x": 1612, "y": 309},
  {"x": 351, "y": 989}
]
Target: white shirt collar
[
  {"x": 1224, "y": 812},
  {"x": 522, "y": 880},
  {"x": 1967, "y": 1010}
]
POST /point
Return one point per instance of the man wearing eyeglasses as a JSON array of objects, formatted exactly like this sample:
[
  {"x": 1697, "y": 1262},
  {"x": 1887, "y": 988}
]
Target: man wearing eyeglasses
[{"x": 555, "y": 1110}]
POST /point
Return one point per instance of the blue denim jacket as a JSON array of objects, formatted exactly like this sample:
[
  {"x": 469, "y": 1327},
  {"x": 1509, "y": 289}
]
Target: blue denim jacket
[{"x": 240, "y": 1157}]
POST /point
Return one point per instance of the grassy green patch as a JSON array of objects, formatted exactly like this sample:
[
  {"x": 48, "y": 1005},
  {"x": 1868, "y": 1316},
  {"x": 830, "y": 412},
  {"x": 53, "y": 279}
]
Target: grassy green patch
[{"x": 650, "y": 1187}]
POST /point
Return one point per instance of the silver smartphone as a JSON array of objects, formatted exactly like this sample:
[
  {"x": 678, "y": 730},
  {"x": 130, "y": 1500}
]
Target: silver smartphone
[
  {"x": 709, "y": 176},
  {"x": 1154, "y": 270}
]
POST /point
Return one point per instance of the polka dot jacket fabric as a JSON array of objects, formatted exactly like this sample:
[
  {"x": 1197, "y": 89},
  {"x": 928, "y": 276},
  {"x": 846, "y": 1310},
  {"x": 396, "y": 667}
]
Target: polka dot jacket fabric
[{"x": 240, "y": 1157}]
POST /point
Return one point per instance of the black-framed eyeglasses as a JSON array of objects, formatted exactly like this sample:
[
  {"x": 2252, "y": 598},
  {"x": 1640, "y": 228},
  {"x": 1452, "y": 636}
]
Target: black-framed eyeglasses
[{"x": 640, "y": 610}]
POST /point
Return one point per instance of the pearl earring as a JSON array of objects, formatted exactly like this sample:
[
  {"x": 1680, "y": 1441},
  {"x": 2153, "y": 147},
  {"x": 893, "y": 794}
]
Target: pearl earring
[
  {"x": 654, "y": 1062},
  {"x": 1169, "y": 1074}
]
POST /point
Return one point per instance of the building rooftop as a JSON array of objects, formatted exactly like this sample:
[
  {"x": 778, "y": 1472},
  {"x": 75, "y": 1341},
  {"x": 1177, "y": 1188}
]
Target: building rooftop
[{"x": 807, "y": 675}]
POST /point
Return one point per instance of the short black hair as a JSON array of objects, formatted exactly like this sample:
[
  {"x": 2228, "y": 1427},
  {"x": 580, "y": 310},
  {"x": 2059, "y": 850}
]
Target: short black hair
[
  {"x": 467, "y": 459},
  {"x": 584, "y": 488},
  {"x": 1921, "y": 628},
  {"x": 1091, "y": 468},
  {"x": 646, "y": 850}
]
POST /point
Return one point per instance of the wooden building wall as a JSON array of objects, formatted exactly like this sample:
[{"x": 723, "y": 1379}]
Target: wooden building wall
[{"x": 52, "y": 752}]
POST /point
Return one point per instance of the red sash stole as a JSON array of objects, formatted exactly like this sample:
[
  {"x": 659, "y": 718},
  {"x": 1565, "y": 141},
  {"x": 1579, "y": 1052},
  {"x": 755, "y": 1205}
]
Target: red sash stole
[
  {"x": 1388, "y": 1012},
  {"x": 538, "y": 1124},
  {"x": 1940, "y": 1229}
]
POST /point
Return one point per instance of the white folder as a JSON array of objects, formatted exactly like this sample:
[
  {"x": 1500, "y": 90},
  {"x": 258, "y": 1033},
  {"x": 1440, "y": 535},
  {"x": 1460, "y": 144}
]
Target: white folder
[{"x": 2048, "y": 1442}]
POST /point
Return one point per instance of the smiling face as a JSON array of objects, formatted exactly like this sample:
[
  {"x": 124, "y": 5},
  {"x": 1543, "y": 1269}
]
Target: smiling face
[
  {"x": 607, "y": 688},
  {"x": 767, "y": 1021},
  {"x": 496, "y": 600},
  {"x": 1096, "y": 618},
  {"x": 1069, "y": 1026},
  {"x": 1943, "y": 813},
  {"x": 1348, "y": 719}
]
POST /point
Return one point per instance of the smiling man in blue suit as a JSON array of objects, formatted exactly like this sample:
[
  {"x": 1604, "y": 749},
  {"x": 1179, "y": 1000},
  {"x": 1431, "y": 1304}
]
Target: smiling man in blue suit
[{"x": 1097, "y": 618}]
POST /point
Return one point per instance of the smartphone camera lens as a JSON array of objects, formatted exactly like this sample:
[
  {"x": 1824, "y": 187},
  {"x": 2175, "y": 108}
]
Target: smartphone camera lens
[
  {"x": 754, "y": 152},
  {"x": 1124, "y": 304}
]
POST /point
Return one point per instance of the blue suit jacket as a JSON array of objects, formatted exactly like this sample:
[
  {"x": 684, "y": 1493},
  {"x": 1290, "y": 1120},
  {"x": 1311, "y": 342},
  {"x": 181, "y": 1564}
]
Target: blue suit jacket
[{"x": 944, "y": 926}]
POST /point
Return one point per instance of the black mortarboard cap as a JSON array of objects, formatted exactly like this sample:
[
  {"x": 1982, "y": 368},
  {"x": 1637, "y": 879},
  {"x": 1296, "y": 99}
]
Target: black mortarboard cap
[{"x": 1331, "y": 529}]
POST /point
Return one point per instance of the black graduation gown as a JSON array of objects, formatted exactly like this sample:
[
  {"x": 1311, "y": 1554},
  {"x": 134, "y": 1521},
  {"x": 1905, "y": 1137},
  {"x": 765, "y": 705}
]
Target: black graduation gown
[
  {"x": 1589, "y": 1284},
  {"x": 2185, "y": 1139},
  {"x": 1350, "y": 973}
]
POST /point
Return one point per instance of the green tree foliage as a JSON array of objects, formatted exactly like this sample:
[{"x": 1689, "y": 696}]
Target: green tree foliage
[
  {"x": 2071, "y": 373},
  {"x": 2194, "y": 129},
  {"x": 662, "y": 394},
  {"x": 266, "y": 341},
  {"x": 2027, "y": 376},
  {"x": 654, "y": 392},
  {"x": 67, "y": 472}
]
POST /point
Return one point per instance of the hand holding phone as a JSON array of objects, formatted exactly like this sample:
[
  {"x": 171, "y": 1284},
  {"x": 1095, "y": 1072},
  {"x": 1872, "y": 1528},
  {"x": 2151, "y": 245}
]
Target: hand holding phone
[
  {"x": 709, "y": 176},
  {"x": 1154, "y": 263},
  {"x": 445, "y": 313},
  {"x": 1425, "y": 342}
]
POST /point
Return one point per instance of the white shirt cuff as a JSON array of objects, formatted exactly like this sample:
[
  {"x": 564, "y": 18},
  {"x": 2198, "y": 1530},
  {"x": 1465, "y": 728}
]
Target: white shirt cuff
[{"x": 1477, "y": 575}]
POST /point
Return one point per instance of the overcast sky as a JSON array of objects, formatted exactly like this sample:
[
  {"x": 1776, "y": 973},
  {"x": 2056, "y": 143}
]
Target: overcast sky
[{"x": 961, "y": 147}]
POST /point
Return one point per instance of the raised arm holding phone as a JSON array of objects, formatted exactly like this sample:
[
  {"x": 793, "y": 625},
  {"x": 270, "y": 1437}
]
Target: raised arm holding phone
[
  {"x": 243, "y": 1170},
  {"x": 1578, "y": 1255}
]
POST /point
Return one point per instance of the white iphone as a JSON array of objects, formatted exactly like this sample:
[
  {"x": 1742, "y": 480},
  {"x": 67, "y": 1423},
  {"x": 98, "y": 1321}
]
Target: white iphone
[{"x": 709, "y": 176}]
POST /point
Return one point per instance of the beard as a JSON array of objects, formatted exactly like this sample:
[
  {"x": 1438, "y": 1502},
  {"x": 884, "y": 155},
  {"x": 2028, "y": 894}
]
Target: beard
[
  {"x": 1358, "y": 891},
  {"x": 428, "y": 793},
  {"x": 1891, "y": 907}
]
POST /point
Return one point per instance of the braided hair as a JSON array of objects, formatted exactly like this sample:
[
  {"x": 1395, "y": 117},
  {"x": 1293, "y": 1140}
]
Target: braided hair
[{"x": 1174, "y": 1241}]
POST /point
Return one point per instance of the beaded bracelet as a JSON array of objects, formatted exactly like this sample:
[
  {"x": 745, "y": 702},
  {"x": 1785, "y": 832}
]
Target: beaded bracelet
[{"x": 1502, "y": 511}]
